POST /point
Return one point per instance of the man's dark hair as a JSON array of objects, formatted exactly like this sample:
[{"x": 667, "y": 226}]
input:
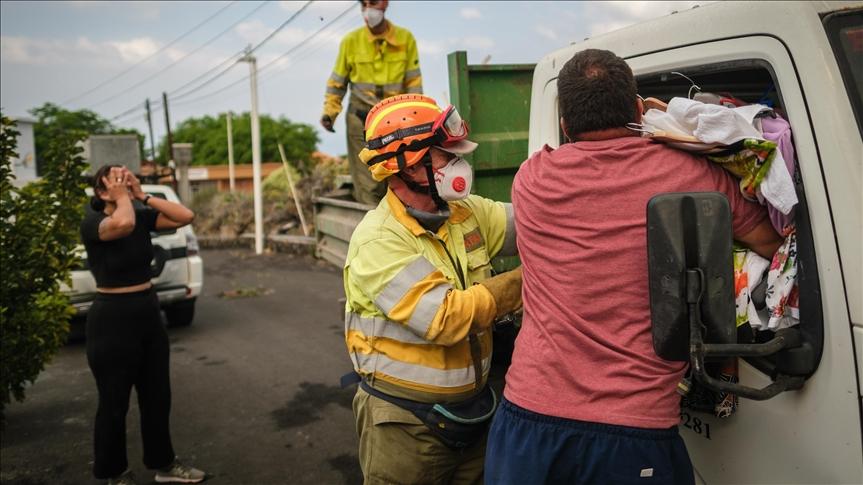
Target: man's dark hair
[{"x": 596, "y": 91}]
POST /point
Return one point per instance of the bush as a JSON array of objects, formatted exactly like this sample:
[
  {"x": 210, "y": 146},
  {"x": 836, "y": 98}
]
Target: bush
[{"x": 38, "y": 234}]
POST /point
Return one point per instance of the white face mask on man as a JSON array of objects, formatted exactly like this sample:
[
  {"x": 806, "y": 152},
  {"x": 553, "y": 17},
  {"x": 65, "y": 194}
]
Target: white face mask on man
[
  {"x": 453, "y": 181},
  {"x": 373, "y": 16}
]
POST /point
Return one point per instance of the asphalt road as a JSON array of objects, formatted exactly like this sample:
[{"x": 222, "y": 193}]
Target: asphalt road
[{"x": 255, "y": 387}]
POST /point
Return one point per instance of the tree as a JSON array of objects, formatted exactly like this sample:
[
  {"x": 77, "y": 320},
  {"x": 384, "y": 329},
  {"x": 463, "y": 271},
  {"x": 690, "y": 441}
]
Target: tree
[
  {"x": 52, "y": 118},
  {"x": 38, "y": 235},
  {"x": 209, "y": 136}
]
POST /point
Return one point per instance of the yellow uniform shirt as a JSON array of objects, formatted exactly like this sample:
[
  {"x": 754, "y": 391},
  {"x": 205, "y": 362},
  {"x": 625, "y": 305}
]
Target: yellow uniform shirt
[
  {"x": 408, "y": 316},
  {"x": 376, "y": 66}
]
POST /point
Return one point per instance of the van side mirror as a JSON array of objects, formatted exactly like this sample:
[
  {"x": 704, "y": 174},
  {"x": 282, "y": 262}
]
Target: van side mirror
[{"x": 691, "y": 276}]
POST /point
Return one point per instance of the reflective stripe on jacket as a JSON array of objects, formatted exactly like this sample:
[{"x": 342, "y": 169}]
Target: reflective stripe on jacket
[
  {"x": 408, "y": 317},
  {"x": 376, "y": 66}
]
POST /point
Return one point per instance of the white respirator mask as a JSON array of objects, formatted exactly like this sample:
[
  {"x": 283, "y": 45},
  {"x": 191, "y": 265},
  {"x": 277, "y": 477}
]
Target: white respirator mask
[
  {"x": 453, "y": 181},
  {"x": 373, "y": 17}
]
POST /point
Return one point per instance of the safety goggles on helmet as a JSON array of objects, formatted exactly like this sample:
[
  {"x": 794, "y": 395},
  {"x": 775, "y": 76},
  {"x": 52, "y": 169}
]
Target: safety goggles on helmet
[
  {"x": 450, "y": 125},
  {"x": 448, "y": 128}
]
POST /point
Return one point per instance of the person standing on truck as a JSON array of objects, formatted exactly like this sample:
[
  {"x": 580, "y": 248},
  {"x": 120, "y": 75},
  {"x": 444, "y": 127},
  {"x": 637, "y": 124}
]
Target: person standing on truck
[
  {"x": 421, "y": 299},
  {"x": 126, "y": 342},
  {"x": 587, "y": 400},
  {"x": 378, "y": 60}
]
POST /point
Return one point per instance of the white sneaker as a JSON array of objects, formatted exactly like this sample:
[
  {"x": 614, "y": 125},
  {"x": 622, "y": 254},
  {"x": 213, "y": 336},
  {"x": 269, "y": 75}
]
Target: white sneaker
[{"x": 179, "y": 473}]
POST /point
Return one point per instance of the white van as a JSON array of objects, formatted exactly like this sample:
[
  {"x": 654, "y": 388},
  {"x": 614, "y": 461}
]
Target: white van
[
  {"x": 806, "y": 58},
  {"x": 177, "y": 269}
]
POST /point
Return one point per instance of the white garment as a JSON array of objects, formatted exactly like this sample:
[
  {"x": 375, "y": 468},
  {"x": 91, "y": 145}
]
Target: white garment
[
  {"x": 713, "y": 124},
  {"x": 777, "y": 188},
  {"x": 754, "y": 266}
]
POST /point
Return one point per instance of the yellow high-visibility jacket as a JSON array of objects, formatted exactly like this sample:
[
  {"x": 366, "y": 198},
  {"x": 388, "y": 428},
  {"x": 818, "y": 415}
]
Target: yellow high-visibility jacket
[
  {"x": 376, "y": 66},
  {"x": 408, "y": 316}
]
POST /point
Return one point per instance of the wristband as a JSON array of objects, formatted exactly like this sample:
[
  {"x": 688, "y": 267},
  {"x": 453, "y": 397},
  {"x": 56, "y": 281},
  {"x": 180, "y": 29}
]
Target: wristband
[{"x": 146, "y": 199}]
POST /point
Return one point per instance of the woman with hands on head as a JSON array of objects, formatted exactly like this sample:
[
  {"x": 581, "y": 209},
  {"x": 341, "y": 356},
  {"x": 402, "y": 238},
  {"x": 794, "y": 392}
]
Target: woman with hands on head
[{"x": 126, "y": 342}]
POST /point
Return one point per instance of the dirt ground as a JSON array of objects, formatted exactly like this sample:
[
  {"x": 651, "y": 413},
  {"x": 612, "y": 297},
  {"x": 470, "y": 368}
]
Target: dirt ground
[{"x": 255, "y": 379}]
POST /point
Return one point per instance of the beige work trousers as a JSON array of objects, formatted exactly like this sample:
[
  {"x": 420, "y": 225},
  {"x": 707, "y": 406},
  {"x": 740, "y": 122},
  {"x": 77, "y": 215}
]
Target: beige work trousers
[
  {"x": 397, "y": 448},
  {"x": 366, "y": 189}
]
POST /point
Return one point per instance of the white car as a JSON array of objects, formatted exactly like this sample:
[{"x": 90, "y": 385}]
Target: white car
[{"x": 177, "y": 269}]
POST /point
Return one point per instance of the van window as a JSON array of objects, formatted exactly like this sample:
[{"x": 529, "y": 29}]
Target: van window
[
  {"x": 845, "y": 31},
  {"x": 754, "y": 81},
  {"x": 750, "y": 80}
]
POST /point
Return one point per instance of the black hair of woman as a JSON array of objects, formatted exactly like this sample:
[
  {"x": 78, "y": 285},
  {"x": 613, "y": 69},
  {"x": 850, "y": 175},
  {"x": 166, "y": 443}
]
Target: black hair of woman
[{"x": 96, "y": 202}]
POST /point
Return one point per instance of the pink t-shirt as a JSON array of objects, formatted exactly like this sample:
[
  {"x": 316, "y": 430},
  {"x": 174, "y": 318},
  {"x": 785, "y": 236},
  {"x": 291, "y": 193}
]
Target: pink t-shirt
[{"x": 585, "y": 349}]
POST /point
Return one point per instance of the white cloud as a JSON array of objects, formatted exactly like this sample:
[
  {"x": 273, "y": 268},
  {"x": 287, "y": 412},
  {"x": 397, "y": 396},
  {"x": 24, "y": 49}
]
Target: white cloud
[
  {"x": 32, "y": 51},
  {"x": 84, "y": 52},
  {"x": 136, "y": 49},
  {"x": 470, "y": 13},
  {"x": 546, "y": 32}
]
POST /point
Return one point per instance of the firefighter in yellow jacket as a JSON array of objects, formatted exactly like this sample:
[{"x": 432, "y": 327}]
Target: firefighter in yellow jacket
[
  {"x": 421, "y": 299},
  {"x": 378, "y": 60}
]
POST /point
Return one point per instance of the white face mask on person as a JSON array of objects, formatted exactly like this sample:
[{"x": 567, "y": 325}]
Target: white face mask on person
[
  {"x": 453, "y": 181},
  {"x": 373, "y": 16}
]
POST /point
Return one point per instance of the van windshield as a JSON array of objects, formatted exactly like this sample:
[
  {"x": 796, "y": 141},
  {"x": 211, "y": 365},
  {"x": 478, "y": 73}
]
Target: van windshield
[{"x": 845, "y": 30}]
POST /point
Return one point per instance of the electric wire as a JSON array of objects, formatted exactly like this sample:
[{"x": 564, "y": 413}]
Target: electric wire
[
  {"x": 267, "y": 65},
  {"x": 133, "y": 66},
  {"x": 247, "y": 52},
  {"x": 169, "y": 66}
]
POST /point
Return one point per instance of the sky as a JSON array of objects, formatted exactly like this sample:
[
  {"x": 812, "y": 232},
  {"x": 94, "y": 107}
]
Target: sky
[{"x": 110, "y": 57}]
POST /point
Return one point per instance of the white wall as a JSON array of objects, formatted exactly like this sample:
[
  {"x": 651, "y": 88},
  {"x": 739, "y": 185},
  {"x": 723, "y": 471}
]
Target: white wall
[{"x": 24, "y": 167}]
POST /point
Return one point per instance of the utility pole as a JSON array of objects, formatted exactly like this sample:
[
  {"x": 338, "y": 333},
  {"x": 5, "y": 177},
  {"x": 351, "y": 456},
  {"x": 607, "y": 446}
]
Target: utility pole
[
  {"x": 169, "y": 146},
  {"x": 230, "y": 154},
  {"x": 150, "y": 124},
  {"x": 256, "y": 152}
]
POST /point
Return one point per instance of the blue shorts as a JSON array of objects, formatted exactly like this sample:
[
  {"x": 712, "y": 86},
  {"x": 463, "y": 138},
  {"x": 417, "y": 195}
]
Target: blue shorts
[{"x": 526, "y": 448}]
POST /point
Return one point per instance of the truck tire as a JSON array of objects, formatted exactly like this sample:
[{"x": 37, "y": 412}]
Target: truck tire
[{"x": 180, "y": 314}]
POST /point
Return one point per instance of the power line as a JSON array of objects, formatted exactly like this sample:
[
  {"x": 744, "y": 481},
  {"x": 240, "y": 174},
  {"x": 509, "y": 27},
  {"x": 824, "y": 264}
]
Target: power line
[
  {"x": 158, "y": 73},
  {"x": 247, "y": 52},
  {"x": 233, "y": 57},
  {"x": 279, "y": 28},
  {"x": 230, "y": 59},
  {"x": 264, "y": 67},
  {"x": 162, "y": 49},
  {"x": 155, "y": 107}
]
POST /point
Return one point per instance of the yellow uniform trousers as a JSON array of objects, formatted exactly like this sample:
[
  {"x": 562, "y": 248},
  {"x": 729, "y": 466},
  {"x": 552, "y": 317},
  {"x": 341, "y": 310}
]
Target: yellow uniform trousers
[{"x": 366, "y": 189}]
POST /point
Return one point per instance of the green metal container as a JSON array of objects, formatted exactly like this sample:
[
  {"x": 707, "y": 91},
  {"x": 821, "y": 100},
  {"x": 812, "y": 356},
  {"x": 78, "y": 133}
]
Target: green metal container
[{"x": 495, "y": 101}]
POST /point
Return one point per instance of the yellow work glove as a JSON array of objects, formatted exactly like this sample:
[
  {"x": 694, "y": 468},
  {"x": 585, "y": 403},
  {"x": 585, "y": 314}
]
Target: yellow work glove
[{"x": 505, "y": 288}]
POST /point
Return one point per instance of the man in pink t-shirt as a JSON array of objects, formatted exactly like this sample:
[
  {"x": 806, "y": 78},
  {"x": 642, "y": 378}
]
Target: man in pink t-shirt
[{"x": 587, "y": 400}]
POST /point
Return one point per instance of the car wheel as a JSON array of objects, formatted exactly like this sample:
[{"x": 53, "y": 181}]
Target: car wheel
[{"x": 180, "y": 314}]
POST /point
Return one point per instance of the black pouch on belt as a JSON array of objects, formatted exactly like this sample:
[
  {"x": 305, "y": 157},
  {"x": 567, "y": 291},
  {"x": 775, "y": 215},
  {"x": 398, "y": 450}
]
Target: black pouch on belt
[{"x": 457, "y": 425}]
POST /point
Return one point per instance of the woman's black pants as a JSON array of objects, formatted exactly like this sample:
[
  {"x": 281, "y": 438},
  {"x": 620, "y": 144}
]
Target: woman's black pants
[{"x": 128, "y": 346}]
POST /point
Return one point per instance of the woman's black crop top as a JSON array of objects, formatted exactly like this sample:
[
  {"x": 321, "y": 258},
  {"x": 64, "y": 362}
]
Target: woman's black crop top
[{"x": 121, "y": 262}]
